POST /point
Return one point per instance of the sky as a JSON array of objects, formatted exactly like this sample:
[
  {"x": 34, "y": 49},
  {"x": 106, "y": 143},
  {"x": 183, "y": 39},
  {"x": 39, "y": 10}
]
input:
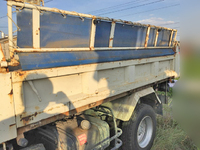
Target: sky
[{"x": 156, "y": 12}]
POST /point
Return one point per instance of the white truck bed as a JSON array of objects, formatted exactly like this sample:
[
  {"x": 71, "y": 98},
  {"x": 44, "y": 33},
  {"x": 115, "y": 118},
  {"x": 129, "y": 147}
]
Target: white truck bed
[{"x": 35, "y": 97}]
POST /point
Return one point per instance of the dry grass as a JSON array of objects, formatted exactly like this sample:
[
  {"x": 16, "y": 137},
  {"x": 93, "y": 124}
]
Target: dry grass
[{"x": 169, "y": 135}]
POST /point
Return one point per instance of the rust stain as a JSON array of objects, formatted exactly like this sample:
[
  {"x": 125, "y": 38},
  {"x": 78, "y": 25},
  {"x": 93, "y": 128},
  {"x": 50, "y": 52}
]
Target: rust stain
[
  {"x": 11, "y": 93},
  {"x": 174, "y": 48},
  {"x": 21, "y": 74},
  {"x": 4, "y": 70},
  {"x": 113, "y": 21},
  {"x": 26, "y": 120},
  {"x": 91, "y": 48},
  {"x": 126, "y": 21},
  {"x": 34, "y": 51},
  {"x": 11, "y": 96},
  {"x": 38, "y": 124},
  {"x": 94, "y": 17},
  {"x": 2, "y": 54},
  {"x": 10, "y": 126},
  {"x": 37, "y": 107},
  {"x": 92, "y": 104}
]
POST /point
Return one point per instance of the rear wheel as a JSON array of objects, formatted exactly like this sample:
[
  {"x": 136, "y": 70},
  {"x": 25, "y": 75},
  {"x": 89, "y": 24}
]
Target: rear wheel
[{"x": 139, "y": 131}]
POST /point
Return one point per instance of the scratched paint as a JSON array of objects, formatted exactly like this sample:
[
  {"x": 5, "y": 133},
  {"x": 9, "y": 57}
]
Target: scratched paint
[{"x": 60, "y": 59}]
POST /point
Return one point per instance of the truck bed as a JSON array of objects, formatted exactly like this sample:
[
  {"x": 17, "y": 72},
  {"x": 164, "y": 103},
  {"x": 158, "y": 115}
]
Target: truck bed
[{"x": 81, "y": 69}]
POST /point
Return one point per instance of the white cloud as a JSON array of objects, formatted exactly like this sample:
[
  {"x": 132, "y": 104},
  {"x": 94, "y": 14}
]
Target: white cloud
[{"x": 155, "y": 21}]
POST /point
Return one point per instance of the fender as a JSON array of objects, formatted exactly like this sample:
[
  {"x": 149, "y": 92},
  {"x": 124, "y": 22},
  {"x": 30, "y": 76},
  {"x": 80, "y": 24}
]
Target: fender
[{"x": 124, "y": 107}]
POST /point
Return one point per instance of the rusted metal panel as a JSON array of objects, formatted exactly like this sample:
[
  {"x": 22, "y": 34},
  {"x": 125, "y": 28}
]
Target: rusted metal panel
[
  {"x": 8, "y": 129},
  {"x": 64, "y": 114},
  {"x": 53, "y": 97},
  {"x": 67, "y": 114}
]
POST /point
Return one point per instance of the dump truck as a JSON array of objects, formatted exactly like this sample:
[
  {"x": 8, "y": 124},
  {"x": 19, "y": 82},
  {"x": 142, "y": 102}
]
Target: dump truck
[{"x": 81, "y": 82}]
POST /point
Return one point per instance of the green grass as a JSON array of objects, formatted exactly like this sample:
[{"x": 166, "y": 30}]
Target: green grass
[
  {"x": 191, "y": 67},
  {"x": 169, "y": 134}
]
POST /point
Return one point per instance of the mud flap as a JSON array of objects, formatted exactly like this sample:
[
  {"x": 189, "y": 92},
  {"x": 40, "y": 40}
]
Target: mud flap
[{"x": 159, "y": 109}]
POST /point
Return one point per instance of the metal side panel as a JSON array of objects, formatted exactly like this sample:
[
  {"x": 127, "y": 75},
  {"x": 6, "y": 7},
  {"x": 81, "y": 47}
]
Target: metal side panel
[
  {"x": 163, "y": 38},
  {"x": 59, "y": 31},
  {"x": 25, "y": 23},
  {"x": 30, "y": 61},
  {"x": 102, "y": 34},
  {"x": 56, "y": 31},
  {"x": 129, "y": 36},
  {"x": 152, "y": 35},
  {"x": 40, "y": 94},
  {"x": 7, "y": 114}
]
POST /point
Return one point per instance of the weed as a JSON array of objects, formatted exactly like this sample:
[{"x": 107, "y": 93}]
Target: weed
[{"x": 169, "y": 134}]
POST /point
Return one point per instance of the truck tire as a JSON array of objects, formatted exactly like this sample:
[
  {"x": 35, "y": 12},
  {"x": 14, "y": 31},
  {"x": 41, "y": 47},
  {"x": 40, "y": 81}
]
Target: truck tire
[{"x": 139, "y": 132}]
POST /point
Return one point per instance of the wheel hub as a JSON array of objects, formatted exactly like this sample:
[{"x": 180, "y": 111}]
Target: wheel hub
[{"x": 145, "y": 131}]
